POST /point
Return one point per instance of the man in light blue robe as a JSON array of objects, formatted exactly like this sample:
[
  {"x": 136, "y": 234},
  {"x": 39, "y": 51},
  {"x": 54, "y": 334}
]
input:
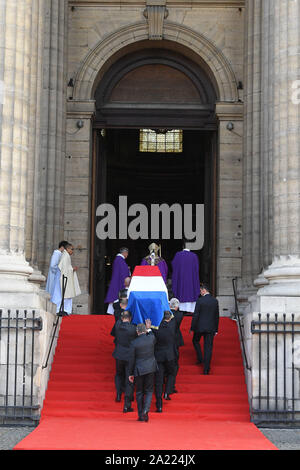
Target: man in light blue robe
[
  {"x": 53, "y": 268},
  {"x": 66, "y": 283}
]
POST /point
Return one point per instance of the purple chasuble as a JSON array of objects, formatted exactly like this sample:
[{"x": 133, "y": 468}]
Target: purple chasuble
[
  {"x": 160, "y": 262},
  {"x": 120, "y": 271},
  {"x": 185, "y": 277}
]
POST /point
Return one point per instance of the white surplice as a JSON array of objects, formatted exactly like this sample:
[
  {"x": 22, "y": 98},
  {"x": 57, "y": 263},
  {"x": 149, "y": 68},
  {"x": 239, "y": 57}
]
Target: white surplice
[{"x": 72, "y": 286}]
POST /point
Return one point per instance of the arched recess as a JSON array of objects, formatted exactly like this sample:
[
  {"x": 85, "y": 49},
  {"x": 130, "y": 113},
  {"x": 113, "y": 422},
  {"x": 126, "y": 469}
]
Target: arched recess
[
  {"x": 217, "y": 66},
  {"x": 155, "y": 87}
]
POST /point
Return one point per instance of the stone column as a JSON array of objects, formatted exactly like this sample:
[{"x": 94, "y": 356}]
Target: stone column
[
  {"x": 17, "y": 59},
  {"x": 53, "y": 132},
  {"x": 34, "y": 146},
  {"x": 258, "y": 145},
  {"x": 251, "y": 263},
  {"x": 283, "y": 274},
  {"x": 278, "y": 179}
]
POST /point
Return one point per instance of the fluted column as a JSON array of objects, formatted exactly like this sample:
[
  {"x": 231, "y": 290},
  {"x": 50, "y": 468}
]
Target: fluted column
[
  {"x": 34, "y": 146},
  {"x": 53, "y": 138},
  {"x": 17, "y": 61},
  {"x": 251, "y": 262},
  {"x": 284, "y": 272}
]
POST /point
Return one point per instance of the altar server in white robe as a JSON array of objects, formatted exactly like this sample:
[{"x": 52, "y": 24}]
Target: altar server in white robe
[
  {"x": 55, "y": 259},
  {"x": 72, "y": 289}
]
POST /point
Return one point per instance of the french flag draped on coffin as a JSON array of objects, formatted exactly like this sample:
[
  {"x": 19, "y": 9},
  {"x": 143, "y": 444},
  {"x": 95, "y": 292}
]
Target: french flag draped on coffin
[{"x": 147, "y": 295}]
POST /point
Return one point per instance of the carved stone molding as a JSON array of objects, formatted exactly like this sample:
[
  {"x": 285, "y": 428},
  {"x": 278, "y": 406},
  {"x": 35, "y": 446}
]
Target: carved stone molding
[{"x": 156, "y": 12}]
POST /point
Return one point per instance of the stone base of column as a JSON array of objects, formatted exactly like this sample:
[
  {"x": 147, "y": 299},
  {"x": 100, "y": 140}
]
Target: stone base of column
[
  {"x": 16, "y": 292},
  {"x": 283, "y": 278}
]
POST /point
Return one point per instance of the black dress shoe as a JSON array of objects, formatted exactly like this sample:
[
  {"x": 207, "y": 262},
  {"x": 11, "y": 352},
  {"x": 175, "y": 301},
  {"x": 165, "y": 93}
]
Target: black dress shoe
[
  {"x": 206, "y": 372},
  {"x": 167, "y": 396},
  {"x": 145, "y": 417},
  {"x": 158, "y": 410},
  {"x": 127, "y": 409}
]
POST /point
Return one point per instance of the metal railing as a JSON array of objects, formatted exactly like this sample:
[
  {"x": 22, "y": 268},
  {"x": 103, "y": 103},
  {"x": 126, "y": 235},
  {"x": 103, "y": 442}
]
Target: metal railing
[
  {"x": 238, "y": 316},
  {"x": 57, "y": 320},
  {"x": 276, "y": 391},
  {"x": 18, "y": 330}
]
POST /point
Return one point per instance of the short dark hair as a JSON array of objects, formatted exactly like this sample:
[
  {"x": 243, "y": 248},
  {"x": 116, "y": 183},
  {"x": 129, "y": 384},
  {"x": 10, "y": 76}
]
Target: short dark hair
[
  {"x": 123, "y": 248},
  {"x": 123, "y": 294},
  {"x": 167, "y": 315},
  {"x": 141, "y": 328},
  {"x": 205, "y": 286},
  {"x": 63, "y": 243},
  {"x": 126, "y": 315}
]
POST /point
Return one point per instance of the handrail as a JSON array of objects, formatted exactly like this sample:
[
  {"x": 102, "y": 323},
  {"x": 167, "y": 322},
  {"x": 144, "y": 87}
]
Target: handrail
[
  {"x": 59, "y": 314},
  {"x": 241, "y": 328}
]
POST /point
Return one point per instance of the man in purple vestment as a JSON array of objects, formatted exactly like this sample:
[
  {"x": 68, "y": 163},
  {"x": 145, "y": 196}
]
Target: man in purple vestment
[
  {"x": 154, "y": 260},
  {"x": 120, "y": 271},
  {"x": 185, "y": 279}
]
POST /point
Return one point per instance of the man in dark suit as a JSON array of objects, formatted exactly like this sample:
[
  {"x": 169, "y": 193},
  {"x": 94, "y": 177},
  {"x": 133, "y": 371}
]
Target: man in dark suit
[
  {"x": 119, "y": 308},
  {"x": 165, "y": 355},
  {"x": 205, "y": 323},
  {"x": 178, "y": 316},
  {"x": 124, "y": 333},
  {"x": 142, "y": 368},
  {"x": 121, "y": 305}
]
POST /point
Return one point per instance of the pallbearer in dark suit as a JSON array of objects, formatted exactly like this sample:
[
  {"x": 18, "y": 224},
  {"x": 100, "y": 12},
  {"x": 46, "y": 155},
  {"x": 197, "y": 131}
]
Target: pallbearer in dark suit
[
  {"x": 142, "y": 367},
  {"x": 205, "y": 323},
  {"x": 119, "y": 308},
  {"x": 178, "y": 316},
  {"x": 165, "y": 354},
  {"x": 124, "y": 333}
]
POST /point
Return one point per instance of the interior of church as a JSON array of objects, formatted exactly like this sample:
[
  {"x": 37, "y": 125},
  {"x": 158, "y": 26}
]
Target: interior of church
[{"x": 150, "y": 169}]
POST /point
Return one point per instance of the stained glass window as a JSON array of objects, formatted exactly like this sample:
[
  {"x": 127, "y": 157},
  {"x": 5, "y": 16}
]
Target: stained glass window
[{"x": 161, "y": 140}]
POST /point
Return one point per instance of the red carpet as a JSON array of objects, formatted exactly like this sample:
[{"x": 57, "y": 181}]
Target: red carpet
[{"x": 210, "y": 412}]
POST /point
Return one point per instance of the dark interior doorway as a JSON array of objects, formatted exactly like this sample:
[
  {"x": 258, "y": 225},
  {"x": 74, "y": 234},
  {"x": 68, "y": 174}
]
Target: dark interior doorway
[
  {"x": 187, "y": 177},
  {"x": 153, "y": 86}
]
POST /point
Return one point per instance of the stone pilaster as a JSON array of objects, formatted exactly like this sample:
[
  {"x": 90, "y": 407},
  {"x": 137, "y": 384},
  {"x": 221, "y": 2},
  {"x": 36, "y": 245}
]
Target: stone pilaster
[{"x": 17, "y": 61}]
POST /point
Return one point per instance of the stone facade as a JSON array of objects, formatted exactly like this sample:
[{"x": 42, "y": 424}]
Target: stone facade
[{"x": 53, "y": 54}]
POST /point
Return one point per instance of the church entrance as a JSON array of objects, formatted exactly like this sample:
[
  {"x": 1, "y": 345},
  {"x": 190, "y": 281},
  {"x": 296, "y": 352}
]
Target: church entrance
[{"x": 154, "y": 143}]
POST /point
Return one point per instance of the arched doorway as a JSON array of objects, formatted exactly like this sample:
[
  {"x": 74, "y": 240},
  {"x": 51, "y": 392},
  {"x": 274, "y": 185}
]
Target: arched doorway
[{"x": 160, "y": 96}]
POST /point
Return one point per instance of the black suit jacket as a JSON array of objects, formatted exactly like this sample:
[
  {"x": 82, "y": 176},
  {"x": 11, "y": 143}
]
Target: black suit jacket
[
  {"x": 117, "y": 314},
  {"x": 165, "y": 347},
  {"x": 124, "y": 333},
  {"x": 178, "y": 316},
  {"x": 206, "y": 315},
  {"x": 141, "y": 356}
]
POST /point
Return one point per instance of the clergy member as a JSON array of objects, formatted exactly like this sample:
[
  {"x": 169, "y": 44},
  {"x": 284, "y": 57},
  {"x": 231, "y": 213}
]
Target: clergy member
[
  {"x": 120, "y": 273},
  {"x": 185, "y": 279},
  {"x": 55, "y": 258},
  {"x": 155, "y": 259},
  {"x": 67, "y": 277}
]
